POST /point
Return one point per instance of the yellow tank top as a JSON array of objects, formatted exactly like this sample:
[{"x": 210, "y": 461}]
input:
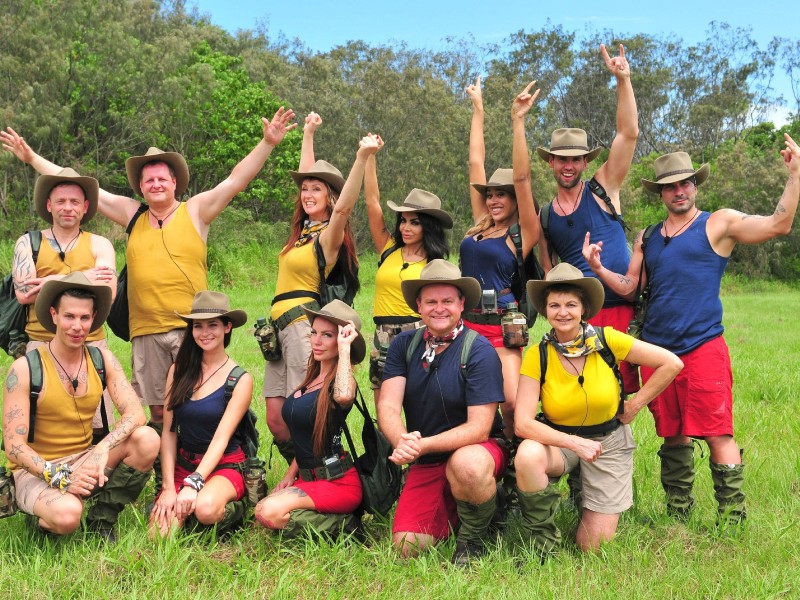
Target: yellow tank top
[
  {"x": 297, "y": 270},
  {"x": 166, "y": 267},
  {"x": 389, "y": 301},
  {"x": 79, "y": 258},
  {"x": 64, "y": 425}
]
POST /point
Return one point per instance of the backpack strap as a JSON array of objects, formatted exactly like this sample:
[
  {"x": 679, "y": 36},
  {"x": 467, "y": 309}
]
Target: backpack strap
[
  {"x": 544, "y": 219},
  {"x": 599, "y": 191},
  {"x": 230, "y": 383},
  {"x": 542, "y": 361},
  {"x": 385, "y": 254},
  {"x": 645, "y": 237},
  {"x": 34, "y": 360},
  {"x": 99, "y": 364},
  {"x": 323, "y": 286},
  {"x": 142, "y": 209},
  {"x": 36, "y": 243},
  {"x": 470, "y": 335},
  {"x": 515, "y": 234}
]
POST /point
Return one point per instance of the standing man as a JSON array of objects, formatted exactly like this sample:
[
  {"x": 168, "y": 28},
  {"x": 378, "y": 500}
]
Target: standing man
[
  {"x": 577, "y": 208},
  {"x": 66, "y": 201},
  {"x": 453, "y": 434},
  {"x": 684, "y": 259},
  {"x": 166, "y": 253},
  {"x": 49, "y": 440}
]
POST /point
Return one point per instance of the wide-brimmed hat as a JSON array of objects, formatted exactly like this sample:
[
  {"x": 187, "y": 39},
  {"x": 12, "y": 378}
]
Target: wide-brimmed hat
[
  {"x": 339, "y": 313},
  {"x": 321, "y": 170},
  {"x": 134, "y": 166},
  {"x": 420, "y": 201},
  {"x": 501, "y": 179},
  {"x": 46, "y": 183},
  {"x": 213, "y": 305},
  {"x": 673, "y": 167},
  {"x": 441, "y": 272},
  {"x": 76, "y": 280},
  {"x": 568, "y": 141},
  {"x": 565, "y": 273}
]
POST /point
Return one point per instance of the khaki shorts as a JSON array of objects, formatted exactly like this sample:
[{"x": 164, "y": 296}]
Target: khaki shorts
[
  {"x": 608, "y": 481},
  {"x": 31, "y": 487},
  {"x": 381, "y": 340},
  {"x": 151, "y": 357},
  {"x": 284, "y": 376},
  {"x": 97, "y": 419}
]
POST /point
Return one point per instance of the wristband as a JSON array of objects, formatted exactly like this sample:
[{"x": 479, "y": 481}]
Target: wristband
[
  {"x": 195, "y": 481},
  {"x": 56, "y": 476}
]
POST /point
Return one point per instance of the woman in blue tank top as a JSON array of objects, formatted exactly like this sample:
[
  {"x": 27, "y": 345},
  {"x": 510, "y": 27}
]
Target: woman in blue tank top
[
  {"x": 487, "y": 252},
  {"x": 200, "y": 453}
]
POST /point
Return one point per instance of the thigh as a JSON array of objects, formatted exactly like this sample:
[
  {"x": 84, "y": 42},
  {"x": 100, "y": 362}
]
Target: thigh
[
  {"x": 339, "y": 496},
  {"x": 608, "y": 481},
  {"x": 151, "y": 357},
  {"x": 426, "y": 505},
  {"x": 707, "y": 407}
]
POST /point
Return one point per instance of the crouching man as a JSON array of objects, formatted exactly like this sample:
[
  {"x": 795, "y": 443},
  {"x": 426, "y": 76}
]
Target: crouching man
[{"x": 48, "y": 439}]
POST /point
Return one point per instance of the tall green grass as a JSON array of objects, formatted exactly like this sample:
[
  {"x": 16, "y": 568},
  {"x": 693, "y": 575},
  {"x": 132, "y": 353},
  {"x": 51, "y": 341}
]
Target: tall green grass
[{"x": 651, "y": 557}]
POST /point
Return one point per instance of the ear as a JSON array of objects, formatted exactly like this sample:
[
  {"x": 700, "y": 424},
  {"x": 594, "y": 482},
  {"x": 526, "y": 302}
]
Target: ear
[
  {"x": 49, "y": 206},
  {"x": 53, "y": 314},
  {"x": 228, "y": 327}
]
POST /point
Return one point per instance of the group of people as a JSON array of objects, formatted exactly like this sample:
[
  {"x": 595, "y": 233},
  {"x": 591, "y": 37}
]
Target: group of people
[{"x": 454, "y": 398}]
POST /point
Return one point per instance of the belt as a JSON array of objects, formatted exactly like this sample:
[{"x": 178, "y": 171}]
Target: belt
[
  {"x": 394, "y": 320},
  {"x": 584, "y": 431},
  {"x": 184, "y": 458},
  {"x": 318, "y": 473},
  {"x": 395, "y": 328},
  {"x": 293, "y": 314},
  {"x": 479, "y": 318}
]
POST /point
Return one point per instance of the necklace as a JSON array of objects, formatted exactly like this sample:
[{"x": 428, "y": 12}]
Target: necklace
[
  {"x": 570, "y": 222},
  {"x": 668, "y": 238},
  {"x": 577, "y": 372},
  {"x": 408, "y": 263},
  {"x": 160, "y": 220},
  {"x": 204, "y": 379},
  {"x": 73, "y": 380},
  {"x": 481, "y": 236},
  {"x": 62, "y": 253}
]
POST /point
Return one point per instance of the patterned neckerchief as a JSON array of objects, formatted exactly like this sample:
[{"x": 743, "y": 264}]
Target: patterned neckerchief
[
  {"x": 434, "y": 341},
  {"x": 584, "y": 343},
  {"x": 311, "y": 229}
]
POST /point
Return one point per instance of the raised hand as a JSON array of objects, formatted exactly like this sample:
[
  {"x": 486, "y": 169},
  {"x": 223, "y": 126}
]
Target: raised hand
[
  {"x": 524, "y": 101},
  {"x": 313, "y": 121},
  {"x": 16, "y": 144},
  {"x": 278, "y": 127},
  {"x": 791, "y": 154},
  {"x": 474, "y": 92},
  {"x": 619, "y": 64},
  {"x": 591, "y": 252},
  {"x": 347, "y": 334},
  {"x": 369, "y": 145}
]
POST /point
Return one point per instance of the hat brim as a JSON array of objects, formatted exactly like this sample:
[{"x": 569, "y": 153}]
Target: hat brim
[
  {"x": 537, "y": 292},
  {"x": 700, "y": 175},
  {"x": 336, "y": 182},
  {"x": 51, "y": 289},
  {"x": 135, "y": 164},
  {"x": 443, "y": 217},
  {"x": 545, "y": 154},
  {"x": 481, "y": 187},
  {"x": 237, "y": 317},
  {"x": 469, "y": 287},
  {"x": 358, "y": 349},
  {"x": 46, "y": 183}
]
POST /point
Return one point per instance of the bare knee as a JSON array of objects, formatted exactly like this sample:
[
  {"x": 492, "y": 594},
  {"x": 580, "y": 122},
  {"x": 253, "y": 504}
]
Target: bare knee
[
  {"x": 409, "y": 544},
  {"x": 269, "y": 515},
  {"x": 470, "y": 466},
  {"x": 65, "y": 516},
  {"x": 208, "y": 510},
  {"x": 595, "y": 529},
  {"x": 156, "y": 413},
  {"x": 531, "y": 456}
]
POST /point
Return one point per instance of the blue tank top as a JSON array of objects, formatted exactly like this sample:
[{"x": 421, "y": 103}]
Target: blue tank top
[
  {"x": 567, "y": 241},
  {"x": 299, "y": 414},
  {"x": 197, "y": 421},
  {"x": 491, "y": 262},
  {"x": 685, "y": 309}
]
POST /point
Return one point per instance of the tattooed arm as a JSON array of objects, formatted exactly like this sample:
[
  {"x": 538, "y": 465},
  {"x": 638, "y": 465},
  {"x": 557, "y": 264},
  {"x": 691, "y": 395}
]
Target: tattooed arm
[
  {"x": 16, "y": 419},
  {"x": 623, "y": 284},
  {"x": 23, "y": 271},
  {"x": 344, "y": 385}
]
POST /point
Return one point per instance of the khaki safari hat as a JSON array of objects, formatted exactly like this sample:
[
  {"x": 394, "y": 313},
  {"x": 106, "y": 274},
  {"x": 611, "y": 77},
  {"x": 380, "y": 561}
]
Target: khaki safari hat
[
  {"x": 135, "y": 164},
  {"x": 568, "y": 141},
  {"x": 438, "y": 272},
  {"x": 46, "y": 183},
  {"x": 673, "y": 167},
  {"x": 213, "y": 305},
  {"x": 339, "y": 313},
  {"x": 566, "y": 274},
  {"x": 321, "y": 170},
  {"x": 420, "y": 201},
  {"x": 501, "y": 179},
  {"x": 77, "y": 280}
]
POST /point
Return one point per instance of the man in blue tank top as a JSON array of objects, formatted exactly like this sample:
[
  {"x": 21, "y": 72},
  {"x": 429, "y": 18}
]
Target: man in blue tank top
[{"x": 684, "y": 259}]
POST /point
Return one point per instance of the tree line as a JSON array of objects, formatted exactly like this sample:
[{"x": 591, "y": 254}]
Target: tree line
[{"x": 91, "y": 83}]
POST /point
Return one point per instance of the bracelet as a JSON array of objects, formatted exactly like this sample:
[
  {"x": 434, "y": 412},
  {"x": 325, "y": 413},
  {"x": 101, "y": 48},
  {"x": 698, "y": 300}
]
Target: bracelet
[
  {"x": 195, "y": 481},
  {"x": 56, "y": 476}
]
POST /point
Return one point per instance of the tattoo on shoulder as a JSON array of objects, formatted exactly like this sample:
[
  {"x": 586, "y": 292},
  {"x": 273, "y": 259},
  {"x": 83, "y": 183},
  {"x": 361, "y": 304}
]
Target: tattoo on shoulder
[
  {"x": 115, "y": 364},
  {"x": 12, "y": 381}
]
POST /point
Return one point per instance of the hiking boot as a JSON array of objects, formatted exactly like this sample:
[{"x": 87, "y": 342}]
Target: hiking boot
[
  {"x": 123, "y": 487},
  {"x": 466, "y": 552}
]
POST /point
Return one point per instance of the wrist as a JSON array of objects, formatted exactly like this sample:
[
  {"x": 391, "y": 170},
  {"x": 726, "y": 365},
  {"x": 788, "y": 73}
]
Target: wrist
[
  {"x": 195, "y": 481},
  {"x": 56, "y": 475}
]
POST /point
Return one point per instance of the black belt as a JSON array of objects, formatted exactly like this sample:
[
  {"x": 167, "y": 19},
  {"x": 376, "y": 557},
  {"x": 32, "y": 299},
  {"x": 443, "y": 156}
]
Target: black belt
[
  {"x": 318, "y": 473},
  {"x": 292, "y": 314},
  {"x": 479, "y": 318},
  {"x": 584, "y": 431},
  {"x": 394, "y": 320}
]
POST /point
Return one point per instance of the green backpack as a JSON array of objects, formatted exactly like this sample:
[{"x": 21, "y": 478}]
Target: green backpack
[{"x": 13, "y": 315}]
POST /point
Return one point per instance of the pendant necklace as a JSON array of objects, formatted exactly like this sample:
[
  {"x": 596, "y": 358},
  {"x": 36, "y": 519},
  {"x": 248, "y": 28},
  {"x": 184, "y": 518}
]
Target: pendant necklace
[
  {"x": 161, "y": 220},
  {"x": 62, "y": 252},
  {"x": 578, "y": 373},
  {"x": 407, "y": 263},
  {"x": 570, "y": 222},
  {"x": 73, "y": 380},
  {"x": 668, "y": 238},
  {"x": 204, "y": 379}
]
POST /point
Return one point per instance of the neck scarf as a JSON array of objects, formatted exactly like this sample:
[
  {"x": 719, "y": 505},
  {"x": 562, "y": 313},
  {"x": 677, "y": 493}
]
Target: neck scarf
[
  {"x": 434, "y": 341},
  {"x": 311, "y": 229},
  {"x": 584, "y": 343}
]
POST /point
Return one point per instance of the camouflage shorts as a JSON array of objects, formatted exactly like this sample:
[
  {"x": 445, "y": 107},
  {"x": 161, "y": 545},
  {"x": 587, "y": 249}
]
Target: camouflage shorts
[{"x": 384, "y": 334}]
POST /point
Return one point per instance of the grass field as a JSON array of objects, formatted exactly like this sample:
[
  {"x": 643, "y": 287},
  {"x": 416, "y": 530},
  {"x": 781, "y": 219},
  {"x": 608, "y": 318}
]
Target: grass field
[{"x": 651, "y": 556}]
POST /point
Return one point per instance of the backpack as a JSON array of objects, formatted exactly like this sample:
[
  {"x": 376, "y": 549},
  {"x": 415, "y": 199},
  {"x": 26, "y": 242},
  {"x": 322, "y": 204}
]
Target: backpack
[
  {"x": 385, "y": 254},
  {"x": 13, "y": 315},
  {"x": 527, "y": 268},
  {"x": 641, "y": 298},
  {"x": 470, "y": 335},
  {"x": 605, "y": 353},
  {"x": 341, "y": 283},
  {"x": 118, "y": 316}
]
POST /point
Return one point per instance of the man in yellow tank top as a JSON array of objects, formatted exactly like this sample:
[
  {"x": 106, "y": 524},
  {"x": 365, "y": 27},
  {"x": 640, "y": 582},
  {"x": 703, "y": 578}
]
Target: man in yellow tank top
[{"x": 56, "y": 466}]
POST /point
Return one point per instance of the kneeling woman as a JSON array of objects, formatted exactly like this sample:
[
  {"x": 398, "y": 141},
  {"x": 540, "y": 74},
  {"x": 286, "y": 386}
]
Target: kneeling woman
[
  {"x": 581, "y": 422},
  {"x": 325, "y": 480},
  {"x": 200, "y": 451}
]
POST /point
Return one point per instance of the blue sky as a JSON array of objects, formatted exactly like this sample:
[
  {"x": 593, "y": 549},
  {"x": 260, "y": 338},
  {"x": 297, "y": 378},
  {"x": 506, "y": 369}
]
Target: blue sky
[{"x": 323, "y": 24}]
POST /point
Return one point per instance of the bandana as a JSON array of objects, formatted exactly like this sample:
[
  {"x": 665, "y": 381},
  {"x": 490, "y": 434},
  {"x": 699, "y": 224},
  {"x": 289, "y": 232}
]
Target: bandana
[
  {"x": 584, "y": 343},
  {"x": 433, "y": 341},
  {"x": 311, "y": 229}
]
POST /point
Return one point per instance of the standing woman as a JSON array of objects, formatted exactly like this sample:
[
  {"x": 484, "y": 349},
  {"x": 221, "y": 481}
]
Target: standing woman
[
  {"x": 200, "y": 451},
  {"x": 324, "y": 203},
  {"x": 321, "y": 478},
  {"x": 580, "y": 422},
  {"x": 487, "y": 253},
  {"x": 418, "y": 237}
]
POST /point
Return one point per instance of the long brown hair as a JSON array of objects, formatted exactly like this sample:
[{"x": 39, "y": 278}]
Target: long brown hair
[{"x": 324, "y": 402}]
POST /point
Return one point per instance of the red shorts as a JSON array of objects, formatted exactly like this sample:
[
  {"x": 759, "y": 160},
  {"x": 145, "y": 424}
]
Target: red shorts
[
  {"x": 339, "y": 496},
  {"x": 426, "y": 504},
  {"x": 619, "y": 317},
  {"x": 232, "y": 475},
  {"x": 699, "y": 402}
]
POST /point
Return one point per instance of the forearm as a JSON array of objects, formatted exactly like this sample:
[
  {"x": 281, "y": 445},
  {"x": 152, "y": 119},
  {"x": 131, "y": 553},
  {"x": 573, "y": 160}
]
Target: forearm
[
  {"x": 622, "y": 285},
  {"x": 19, "y": 453},
  {"x": 306, "y": 151},
  {"x": 344, "y": 386},
  {"x": 451, "y": 440},
  {"x": 43, "y": 166},
  {"x": 247, "y": 168},
  {"x": 627, "y": 113},
  {"x": 169, "y": 456},
  {"x": 390, "y": 422}
]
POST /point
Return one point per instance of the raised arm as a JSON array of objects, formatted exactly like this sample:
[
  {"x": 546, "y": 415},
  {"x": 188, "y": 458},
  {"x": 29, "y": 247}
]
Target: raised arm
[
  {"x": 477, "y": 151},
  {"x": 623, "y": 285},
  {"x": 332, "y": 236},
  {"x": 372, "y": 198},
  {"x": 528, "y": 219},
  {"x": 206, "y": 206},
  {"x": 612, "y": 173},
  {"x": 313, "y": 121}
]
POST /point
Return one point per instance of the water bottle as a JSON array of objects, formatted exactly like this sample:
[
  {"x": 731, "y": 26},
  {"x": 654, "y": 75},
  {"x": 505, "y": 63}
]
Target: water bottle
[
  {"x": 8, "y": 498},
  {"x": 255, "y": 482},
  {"x": 17, "y": 341},
  {"x": 267, "y": 340},
  {"x": 515, "y": 327}
]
